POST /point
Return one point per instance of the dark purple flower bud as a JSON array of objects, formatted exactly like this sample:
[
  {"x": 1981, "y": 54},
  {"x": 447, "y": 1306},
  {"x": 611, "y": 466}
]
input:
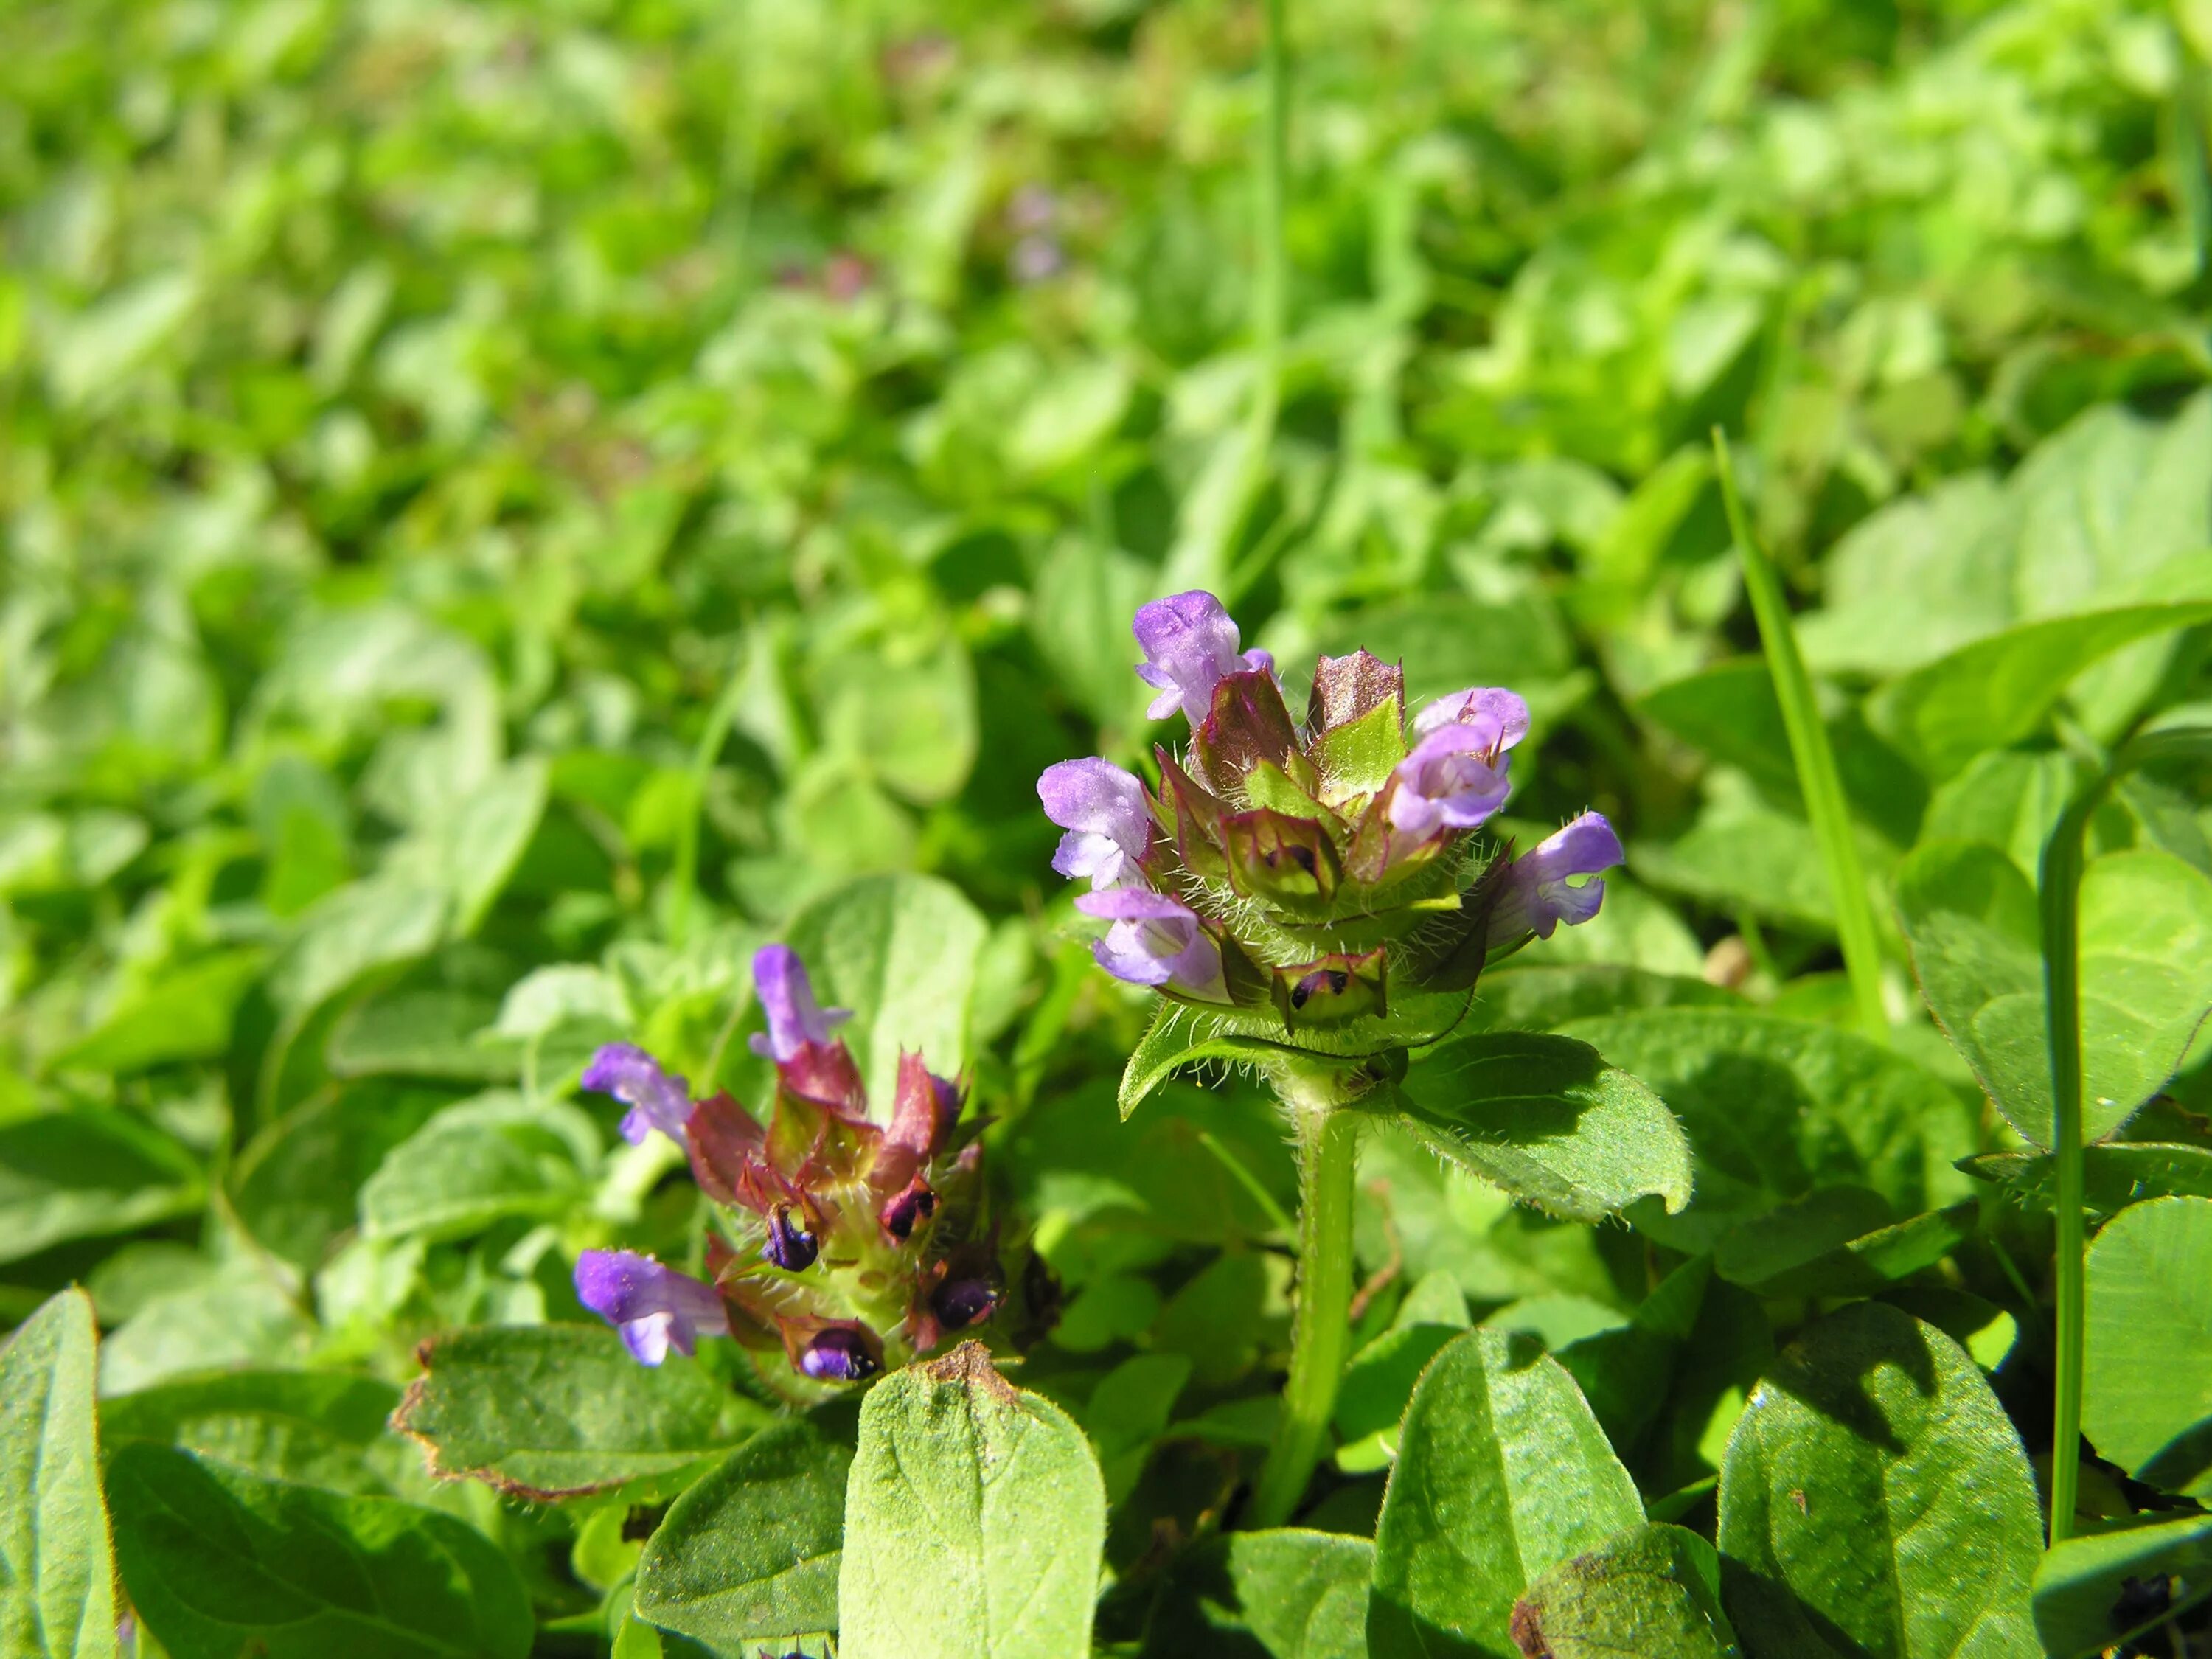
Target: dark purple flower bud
[
  {"x": 655, "y": 1307},
  {"x": 786, "y": 995},
  {"x": 656, "y": 1099},
  {"x": 1535, "y": 897},
  {"x": 1189, "y": 641},
  {"x": 1103, "y": 811},
  {"x": 788, "y": 1244},
  {"x": 1454, "y": 780},
  {"x": 1488, "y": 708},
  {"x": 960, "y": 1302},
  {"x": 1155, "y": 941},
  {"x": 916, "y": 1204},
  {"x": 839, "y": 1353}
]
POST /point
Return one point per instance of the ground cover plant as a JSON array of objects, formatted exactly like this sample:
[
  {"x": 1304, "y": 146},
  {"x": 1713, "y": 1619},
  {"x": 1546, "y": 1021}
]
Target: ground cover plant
[{"x": 1293, "y": 828}]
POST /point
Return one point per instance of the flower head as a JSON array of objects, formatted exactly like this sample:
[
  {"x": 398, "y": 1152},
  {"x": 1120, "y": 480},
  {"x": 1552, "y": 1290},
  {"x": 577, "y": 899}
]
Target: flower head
[
  {"x": 840, "y": 1353},
  {"x": 795, "y": 1021},
  {"x": 1454, "y": 780},
  {"x": 656, "y": 1099},
  {"x": 1535, "y": 897},
  {"x": 655, "y": 1307},
  {"x": 1103, "y": 809},
  {"x": 1155, "y": 941},
  {"x": 1189, "y": 641}
]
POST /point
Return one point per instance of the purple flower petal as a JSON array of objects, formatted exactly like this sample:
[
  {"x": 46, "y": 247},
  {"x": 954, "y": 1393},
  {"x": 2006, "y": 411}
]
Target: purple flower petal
[
  {"x": 1103, "y": 809},
  {"x": 1155, "y": 941},
  {"x": 1189, "y": 641},
  {"x": 786, "y": 994},
  {"x": 655, "y": 1307},
  {"x": 1487, "y": 707},
  {"x": 839, "y": 1353},
  {"x": 656, "y": 1099},
  {"x": 1454, "y": 780},
  {"x": 1536, "y": 897}
]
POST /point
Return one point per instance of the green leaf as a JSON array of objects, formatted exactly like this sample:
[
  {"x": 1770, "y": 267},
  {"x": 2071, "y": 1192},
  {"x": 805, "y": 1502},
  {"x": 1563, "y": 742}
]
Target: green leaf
[
  {"x": 184, "y": 1015},
  {"x": 218, "y": 1562},
  {"x": 1545, "y": 1119},
  {"x": 553, "y": 1411},
  {"x": 2146, "y": 973},
  {"x": 1875, "y": 1501},
  {"x": 900, "y": 952},
  {"x": 1284, "y": 1594},
  {"x": 85, "y": 1173},
  {"x": 1774, "y": 1108},
  {"x": 1502, "y": 1473},
  {"x": 309, "y": 1426},
  {"x": 975, "y": 1521},
  {"x": 353, "y": 932},
  {"x": 1539, "y": 997},
  {"x": 1997, "y": 690},
  {"x": 1358, "y": 758},
  {"x": 57, "y": 1578},
  {"x": 751, "y": 1552},
  {"x": 1831, "y": 1243},
  {"x": 479, "y": 1162},
  {"x": 2149, "y": 1270},
  {"x": 1127, "y": 1411},
  {"x": 1625, "y": 1373},
  {"x": 2115, "y": 1174},
  {"x": 1659, "y": 1587},
  {"x": 2087, "y": 1590},
  {"x": 1378, "y": 1381}
]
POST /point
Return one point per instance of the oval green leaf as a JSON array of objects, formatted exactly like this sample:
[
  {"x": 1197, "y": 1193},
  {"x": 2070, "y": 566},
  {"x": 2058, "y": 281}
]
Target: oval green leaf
[{"x": 2150, "y": 1271}]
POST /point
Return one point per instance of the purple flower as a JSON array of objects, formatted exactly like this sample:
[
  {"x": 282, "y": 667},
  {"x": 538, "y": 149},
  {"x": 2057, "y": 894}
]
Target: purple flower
[
  {"x": 655, "y": 1307},
  {"x": 656, "y": 1099},
  {"x": 1155, "y": 941},
  {"x": 839, "y": 1353},
  {"x": 1190, "y": 642},
  {"x": 1454, "y": 780},
  {"x": 1488, "y": 708},
  {"x": 795, "y": 1019},
  {"x": 789, "y": 1245},
  {"x": 899, "y": 1215},
  {"x": 960, "y": 1302},
  {"x": 1103, "y": 809},
  {"x": 1535, "y": 897}
]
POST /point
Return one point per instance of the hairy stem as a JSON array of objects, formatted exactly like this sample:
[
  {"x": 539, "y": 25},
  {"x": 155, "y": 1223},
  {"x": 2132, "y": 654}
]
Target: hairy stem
[{"x": 1329, "y": 1157}]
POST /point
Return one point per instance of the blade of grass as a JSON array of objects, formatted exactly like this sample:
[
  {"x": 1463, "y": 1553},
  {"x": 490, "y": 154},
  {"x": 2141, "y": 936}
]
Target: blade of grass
[
  {"x": 1817, "y": 779},
  {"x": 2061, "y": 886}
]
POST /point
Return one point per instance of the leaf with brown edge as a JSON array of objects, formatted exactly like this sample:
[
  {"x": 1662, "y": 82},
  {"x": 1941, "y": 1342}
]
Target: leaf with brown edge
[
  {"x": 1347, "y": 688},
  {"x": 1248, "y": 724},
  {"x": 558, "y": 1411}
]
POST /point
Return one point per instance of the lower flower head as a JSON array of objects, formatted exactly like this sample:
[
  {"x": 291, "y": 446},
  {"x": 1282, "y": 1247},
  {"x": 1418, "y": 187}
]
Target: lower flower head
[
  {"x": 1103, "y": 809},
  {"x": 1155, "y": 941},
  {"x": 1536, "y": 897},
  {"x": 655, "y": 1307},
  {"x": 795, "y": 1020},
  {"x": 840, "y": 1353},
  {"x": 1190, "y": 640}
]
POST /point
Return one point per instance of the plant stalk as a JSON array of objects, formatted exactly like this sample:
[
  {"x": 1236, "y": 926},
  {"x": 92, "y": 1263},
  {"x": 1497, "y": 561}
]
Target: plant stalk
[
  {"x": 1817, "y": 778},
  {"x": 1329, "y": 1158}
]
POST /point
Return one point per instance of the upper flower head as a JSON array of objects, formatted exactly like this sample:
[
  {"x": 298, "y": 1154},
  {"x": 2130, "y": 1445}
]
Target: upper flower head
[
  {"x": 795, "y": 1019},
  {"x": 1190, "y": 642},
  {"x": 1155, "y": 941},
  {"x": 1535, "y": 897},
  {"x": 1454, "y": 779},
  {"x": 656, "y": 1099},
  {"x": 1489, "y": 708},
  {"x": 1103, "y": 809},
  {"x": 655, "y": 1307}
]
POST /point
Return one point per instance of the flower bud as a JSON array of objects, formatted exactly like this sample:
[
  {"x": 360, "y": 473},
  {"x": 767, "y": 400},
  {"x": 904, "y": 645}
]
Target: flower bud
[
  {"x": 789, "y": 1245},
  {"x": 841, "y": 1353}
]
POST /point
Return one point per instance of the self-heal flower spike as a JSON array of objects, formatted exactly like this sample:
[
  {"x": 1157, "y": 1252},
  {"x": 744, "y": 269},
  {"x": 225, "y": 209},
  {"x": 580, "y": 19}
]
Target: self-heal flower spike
[
  {"x": 655, "y": 1307},
  {"x": 656, "y": 1099},
  {"x": 795, "y": 1020},
  {"x": 1535, "y": 896},
  {"x": 1190, "y": 642},
  {"x": 1155, "y": 941},
  {"x": 1103, "y": 809}
]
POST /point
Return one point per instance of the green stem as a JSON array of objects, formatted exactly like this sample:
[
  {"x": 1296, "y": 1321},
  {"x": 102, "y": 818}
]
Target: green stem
[
  {"x": 1817, "y": 778},
  {"x": 684, "y": 877},
  {"x": 1328, "y": 1146}
]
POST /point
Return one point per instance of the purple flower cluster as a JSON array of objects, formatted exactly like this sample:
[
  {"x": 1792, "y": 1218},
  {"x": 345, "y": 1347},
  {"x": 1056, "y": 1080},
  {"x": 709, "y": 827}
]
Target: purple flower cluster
[
  {"x": 843, "y": 1243},
  {"x": 1356, "y": 812}
]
